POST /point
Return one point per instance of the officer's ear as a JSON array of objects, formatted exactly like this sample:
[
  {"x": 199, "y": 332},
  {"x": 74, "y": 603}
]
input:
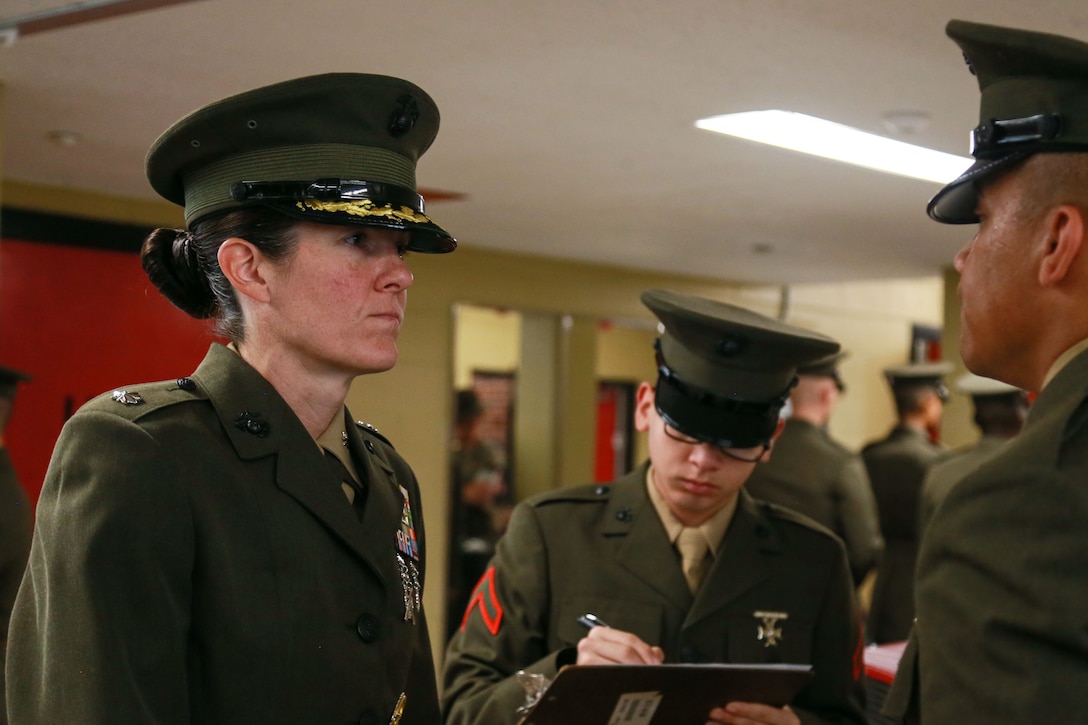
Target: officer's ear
[
  {"x": 829, "y": 391},
  {"x": 770, "y": 446},
  {"x": 245, "y": 267},
  {"x": 778, "y": 429},
  {"x": 1064, "y": 227},
  {"x": 644, "y": 406}
]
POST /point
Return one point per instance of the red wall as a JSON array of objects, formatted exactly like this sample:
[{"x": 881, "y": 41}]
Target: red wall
[{"x": 81, "y": 322}]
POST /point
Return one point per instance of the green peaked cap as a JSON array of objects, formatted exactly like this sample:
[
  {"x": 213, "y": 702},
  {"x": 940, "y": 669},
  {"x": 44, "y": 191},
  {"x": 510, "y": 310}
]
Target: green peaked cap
[
  {"x": 1034, "y": 98},
  {"x": 337, "y": 148},
  {"x": 724, "y": 372}
]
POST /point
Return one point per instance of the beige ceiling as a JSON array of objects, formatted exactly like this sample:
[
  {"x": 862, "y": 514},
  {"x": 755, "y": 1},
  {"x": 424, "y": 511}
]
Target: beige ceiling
[{"x": 568, "y": 124}]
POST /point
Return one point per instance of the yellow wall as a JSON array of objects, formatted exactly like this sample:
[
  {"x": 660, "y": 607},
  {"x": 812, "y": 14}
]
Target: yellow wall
[
  {"x": 412, "y": 404},
  {"x": 487, "y": 339},
  {"x": 873, "y": 322},
  {"x": 624, "y": 354},
  {"x": 957, "y": 425}
]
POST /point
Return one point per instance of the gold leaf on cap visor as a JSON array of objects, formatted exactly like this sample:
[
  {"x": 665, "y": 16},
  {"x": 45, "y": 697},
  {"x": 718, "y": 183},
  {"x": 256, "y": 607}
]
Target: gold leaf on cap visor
[{"x": 365, "y": 208}]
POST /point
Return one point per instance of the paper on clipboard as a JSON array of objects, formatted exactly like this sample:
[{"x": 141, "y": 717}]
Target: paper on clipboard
[{"x": 675, "y": 694}]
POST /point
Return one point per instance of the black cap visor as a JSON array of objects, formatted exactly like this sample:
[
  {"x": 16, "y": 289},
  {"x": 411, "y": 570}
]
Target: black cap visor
[
  {"x": 350, "y": 202},
  {"x": 957, "y": 203}
]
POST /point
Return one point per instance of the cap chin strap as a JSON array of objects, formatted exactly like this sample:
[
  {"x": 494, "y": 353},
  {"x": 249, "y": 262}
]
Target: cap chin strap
[{"x": 990, "y": 137}]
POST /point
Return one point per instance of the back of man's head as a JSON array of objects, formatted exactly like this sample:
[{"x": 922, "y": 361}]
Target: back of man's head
[
  {"x": 819, "y": 384},
  {"x": 814, "y": 398},
  {"x": 912, "y": 399},
  {"x": 1000, "y": 408},
  {"x": 918, "y": 390},
  {"x": 1001, "y": 415},
  {"x": 9, "y": 383}
]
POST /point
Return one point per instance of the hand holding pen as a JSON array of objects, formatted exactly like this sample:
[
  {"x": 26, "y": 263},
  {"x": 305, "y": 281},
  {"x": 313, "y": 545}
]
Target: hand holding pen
[
  {"x": 605, "y": 645},
  {"x": 589, "y": 621}
]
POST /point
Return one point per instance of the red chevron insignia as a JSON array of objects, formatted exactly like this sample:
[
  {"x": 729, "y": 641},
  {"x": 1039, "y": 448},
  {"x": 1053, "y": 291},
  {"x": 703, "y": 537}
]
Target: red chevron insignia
[
  {"x": 859, "y": 651},
  {"x": 485, "y": 598}
]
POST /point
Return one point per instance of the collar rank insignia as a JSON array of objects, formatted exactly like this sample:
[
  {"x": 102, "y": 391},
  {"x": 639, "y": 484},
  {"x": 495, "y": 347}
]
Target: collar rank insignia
[
  {"x": 769, "y": 633},
  {"x": 407, "y": 556},
  {"x": 126, "y": 398}
]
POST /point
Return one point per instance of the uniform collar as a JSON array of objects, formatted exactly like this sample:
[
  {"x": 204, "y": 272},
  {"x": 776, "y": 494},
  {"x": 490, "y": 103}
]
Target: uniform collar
[
  {"x": 713, "y": 530},
  {"x": 335, "y": 441},
  {"x": 1064, "y": 360}
]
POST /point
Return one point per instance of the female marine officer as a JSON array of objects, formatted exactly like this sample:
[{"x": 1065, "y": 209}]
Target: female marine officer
[{"x": 230, "y": 546}]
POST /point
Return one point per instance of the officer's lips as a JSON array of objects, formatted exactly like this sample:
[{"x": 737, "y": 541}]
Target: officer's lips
[
  {"x": 699, "y": 488},
  {"x": 393, "y": 317}
]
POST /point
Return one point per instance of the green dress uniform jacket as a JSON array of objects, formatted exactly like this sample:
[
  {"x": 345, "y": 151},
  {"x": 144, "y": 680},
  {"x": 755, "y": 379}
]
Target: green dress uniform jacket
[
  {"x": 16, "y": 525},
  {"x": 815, "y": 475},
  {"x": 950, "y": 470},
  {"x": 897, "y": 465},
  {"x": 602, "y": 549},
  {"x": 1002, "y": 589},
  {"x": 195, "y": 560}
]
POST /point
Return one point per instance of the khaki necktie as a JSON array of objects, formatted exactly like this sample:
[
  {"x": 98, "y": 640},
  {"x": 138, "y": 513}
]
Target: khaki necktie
[
  {"x": 353, "y": 490},
  {"x": 693, "y": 550}
]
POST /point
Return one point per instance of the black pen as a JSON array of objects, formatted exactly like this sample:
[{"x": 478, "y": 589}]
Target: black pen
[{"x": 589, "y": 621}]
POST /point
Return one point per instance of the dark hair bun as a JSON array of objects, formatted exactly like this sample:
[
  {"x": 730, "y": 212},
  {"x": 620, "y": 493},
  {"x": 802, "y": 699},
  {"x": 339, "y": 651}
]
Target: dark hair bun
[{"x": 171, "y": 260}]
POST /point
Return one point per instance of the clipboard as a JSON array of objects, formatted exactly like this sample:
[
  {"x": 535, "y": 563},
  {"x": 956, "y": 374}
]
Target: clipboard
[{"x": 674, "y": 694}]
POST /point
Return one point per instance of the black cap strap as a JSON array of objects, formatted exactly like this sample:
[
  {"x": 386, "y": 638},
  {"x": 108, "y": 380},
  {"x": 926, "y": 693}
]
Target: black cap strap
[
  {"x": 995, "y": 135},
  {"x": 327, "y": 190}
]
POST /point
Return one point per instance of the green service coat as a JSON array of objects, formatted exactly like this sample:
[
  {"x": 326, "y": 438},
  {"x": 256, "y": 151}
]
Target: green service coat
[
  {"x": 950, "y": 470},
  {"x": 16, "y": 524},
  {"x": 1002, "y": 589},
  {"x": 602, "y": 549},
  {"x": 196, "y": 561},
  {"x": 815, "y": 475},
  {"x": 897, "y": 465}
]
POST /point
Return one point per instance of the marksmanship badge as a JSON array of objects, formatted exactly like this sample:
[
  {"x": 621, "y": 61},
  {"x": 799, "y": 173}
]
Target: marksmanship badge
[{"x": 769, "y": 632}]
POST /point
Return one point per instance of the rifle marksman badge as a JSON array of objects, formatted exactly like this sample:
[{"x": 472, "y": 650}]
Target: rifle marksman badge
[
  {"x": 769, "y": 632},
  {"x": 407, "y": 556}
]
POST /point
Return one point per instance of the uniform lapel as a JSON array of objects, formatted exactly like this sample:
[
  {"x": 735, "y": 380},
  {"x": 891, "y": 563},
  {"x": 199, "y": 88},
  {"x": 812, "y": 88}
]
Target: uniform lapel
[
  {"x": 301, "y": 474},
  {"x": 743, "y": 563},
  {"x": 384, "y": 505},
  {"x": 260, "y": 425},
  {"x": 645, "y": 550}
]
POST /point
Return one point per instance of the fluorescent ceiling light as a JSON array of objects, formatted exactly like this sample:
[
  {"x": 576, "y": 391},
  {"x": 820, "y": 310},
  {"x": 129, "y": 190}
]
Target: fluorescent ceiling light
[{"x": 816, "y": 136}]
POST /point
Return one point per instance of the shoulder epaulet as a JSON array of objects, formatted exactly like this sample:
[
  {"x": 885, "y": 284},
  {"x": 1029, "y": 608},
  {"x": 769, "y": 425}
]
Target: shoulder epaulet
[
  {"x": 133, "y": 401},
  {"x": 367, "y": 427},
  {"x": 782, "y": 513},
  {"x": 570, "y": 494}
]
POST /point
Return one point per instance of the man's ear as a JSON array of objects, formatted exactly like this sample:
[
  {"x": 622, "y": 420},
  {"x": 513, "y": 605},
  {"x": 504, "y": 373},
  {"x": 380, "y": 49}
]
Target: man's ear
[
  {"x": 244, "y": 265},
  {"x": 1065, "y": 235},
  {"x": 644, "y": 403},
  {"x": 828, "y": 391},
  {"x": 777, "y": 432}
]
